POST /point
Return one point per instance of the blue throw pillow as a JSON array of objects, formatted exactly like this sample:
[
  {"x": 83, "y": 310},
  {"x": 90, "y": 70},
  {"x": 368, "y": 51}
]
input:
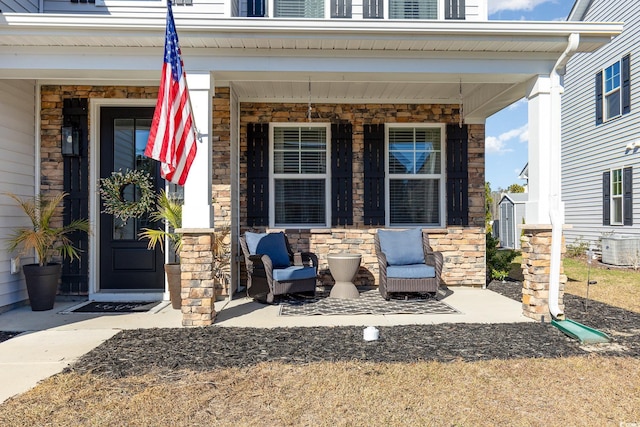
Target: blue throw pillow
[
  {"x": 402, "y": 247},
  {"x": 272, "y": 244}
]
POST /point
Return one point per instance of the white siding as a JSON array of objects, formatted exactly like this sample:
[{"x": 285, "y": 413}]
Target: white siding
[
  {"x": 19, "y": 6},
  {"x": 475, "y": 10},
  {"x": 17, "y": 166},
  {"x": 589, "y": 150},
  {"x": 204, "y": 8}
]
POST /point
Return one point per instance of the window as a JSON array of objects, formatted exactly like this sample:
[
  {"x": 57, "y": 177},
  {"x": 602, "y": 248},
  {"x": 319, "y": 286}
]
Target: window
[
  {"x": 616, "y": 197},
  {"x": 613, "y": 90},
  {"x": 617, "y": 201},
  {"x": 299, "y": 8},
  {"x": 415, "y": 175},
  {"x": 300, "y": 177},
  {"x": 413, "y": 9}
]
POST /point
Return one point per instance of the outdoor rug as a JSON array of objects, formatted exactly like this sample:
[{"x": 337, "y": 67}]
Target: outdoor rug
[
  {"x": 370, "y": 302},
  {"x": 115, "y": 307}
]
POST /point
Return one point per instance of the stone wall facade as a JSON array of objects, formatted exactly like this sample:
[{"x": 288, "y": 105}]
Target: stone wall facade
[
  {"x": 536, "y": 265},
  {"x": 463, "y": 247},
  {"x": 198, "y": 278}
]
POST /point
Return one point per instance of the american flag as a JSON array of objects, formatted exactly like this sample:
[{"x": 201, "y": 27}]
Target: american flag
[{"x": 172, "y": 139}]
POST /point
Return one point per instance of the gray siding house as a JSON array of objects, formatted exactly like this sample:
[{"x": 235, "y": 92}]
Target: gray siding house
[
  {"x": 601, "y": 131},
  {"x": 374, "y": 86}
]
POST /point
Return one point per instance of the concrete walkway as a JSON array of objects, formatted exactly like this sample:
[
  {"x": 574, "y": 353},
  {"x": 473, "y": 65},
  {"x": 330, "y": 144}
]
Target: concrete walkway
[{"x": 50, "y": 340}]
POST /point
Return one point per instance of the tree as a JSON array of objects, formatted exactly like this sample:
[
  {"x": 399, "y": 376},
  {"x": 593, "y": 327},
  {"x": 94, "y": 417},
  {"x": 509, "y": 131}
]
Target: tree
[
  {"x": 488, "y": 203},
  {"x": 515, "y": 188}
]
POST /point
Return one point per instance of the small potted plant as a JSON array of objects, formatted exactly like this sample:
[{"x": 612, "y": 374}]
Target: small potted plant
[
  {"x": 48, "y": 242},
  {"x": 169, "y": 211}
]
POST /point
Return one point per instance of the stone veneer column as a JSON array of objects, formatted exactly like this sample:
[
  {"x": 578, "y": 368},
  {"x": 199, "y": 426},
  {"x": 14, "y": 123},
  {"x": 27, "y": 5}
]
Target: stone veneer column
[
  {"x": 198, "y": 281},
  {"x": 536, "y": 261}
]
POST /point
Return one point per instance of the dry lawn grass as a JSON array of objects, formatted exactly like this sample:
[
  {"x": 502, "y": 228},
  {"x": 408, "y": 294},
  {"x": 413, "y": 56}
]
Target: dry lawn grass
[
  {"x": 575, "y": 391},
  {"x": 589, "y": 391},
  {"x": 616, "y": 286}
]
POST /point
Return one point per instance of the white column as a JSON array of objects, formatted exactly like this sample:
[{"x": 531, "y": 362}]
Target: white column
[
  {"x": 544, "y": 150},
  {"x": 197, "y": 211}
]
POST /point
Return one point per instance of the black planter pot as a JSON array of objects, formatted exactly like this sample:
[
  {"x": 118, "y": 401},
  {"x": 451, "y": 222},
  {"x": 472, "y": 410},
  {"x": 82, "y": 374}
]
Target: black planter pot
[{"x": 42, "y": 285}]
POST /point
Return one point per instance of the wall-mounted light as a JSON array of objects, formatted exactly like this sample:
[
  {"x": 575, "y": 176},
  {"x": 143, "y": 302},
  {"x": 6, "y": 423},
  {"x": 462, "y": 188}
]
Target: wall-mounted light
[
  {"x": 632, "y": 145},
  {"x": 70, "y": 141}
]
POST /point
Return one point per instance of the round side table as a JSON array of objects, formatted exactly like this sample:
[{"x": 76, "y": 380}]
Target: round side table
[{"x": 344, "y": 267}]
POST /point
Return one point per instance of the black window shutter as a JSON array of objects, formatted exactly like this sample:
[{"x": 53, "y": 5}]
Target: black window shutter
[
  {"x": 257, "y": 174},
  {"x": 626, "y": 84},
  {"x": 457, "y": 175},
  {"x": 627, "y": 201},
  {"x": 598, "y": 101},
  {"x": 606, "y": 198},
  {"x": 454, "y": 9},
  {"x": 341, "y": 174},
  {"x": 374, "y": 175},
  {"x": 255, "y": 8}
]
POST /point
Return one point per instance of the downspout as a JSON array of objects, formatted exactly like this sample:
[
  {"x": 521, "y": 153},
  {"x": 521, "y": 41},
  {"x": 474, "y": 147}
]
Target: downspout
[{"x": 555, "y": 212}]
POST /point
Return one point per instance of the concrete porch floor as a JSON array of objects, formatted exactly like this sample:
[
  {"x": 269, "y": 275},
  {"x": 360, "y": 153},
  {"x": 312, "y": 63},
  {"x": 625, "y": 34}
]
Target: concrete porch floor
[{"x": 50, "y": 341}]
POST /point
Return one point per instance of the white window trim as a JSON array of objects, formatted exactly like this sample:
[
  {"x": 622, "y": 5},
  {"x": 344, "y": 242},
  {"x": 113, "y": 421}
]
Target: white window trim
[
  {"x": 442, "y": 176},
  {"x": 132, "y": 3},
  {"x": 326, "y": 176},
  {"x": 605, "y": 109},
  {"x": 612, "y": 197}
]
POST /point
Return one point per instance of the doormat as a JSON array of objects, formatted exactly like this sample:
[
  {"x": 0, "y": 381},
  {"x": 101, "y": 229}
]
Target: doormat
[
  {"x": 116, "y": 307},
  {"x": 370, "y": 302}
]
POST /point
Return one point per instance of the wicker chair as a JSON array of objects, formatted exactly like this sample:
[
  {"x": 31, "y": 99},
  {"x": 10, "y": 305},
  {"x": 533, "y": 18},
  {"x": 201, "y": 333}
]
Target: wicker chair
[
  {"x": 273, "y": 269},
  {"x": 407, "y": 263}
]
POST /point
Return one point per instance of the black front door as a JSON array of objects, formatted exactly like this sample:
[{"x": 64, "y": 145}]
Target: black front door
[{"x": 125, "y": 262}]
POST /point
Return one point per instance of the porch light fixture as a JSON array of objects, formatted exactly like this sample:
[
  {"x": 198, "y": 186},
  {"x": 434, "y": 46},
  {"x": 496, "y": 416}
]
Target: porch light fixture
[{"x": 70, "y": 141}]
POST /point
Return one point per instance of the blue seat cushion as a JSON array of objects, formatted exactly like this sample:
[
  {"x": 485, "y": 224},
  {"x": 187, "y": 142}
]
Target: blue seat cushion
[
  {"x": 295, "y": 272},
  {"x": 272, "y": 244},
  {"x": 402, "y": 247},
  {"x": 411, "y": 271}
]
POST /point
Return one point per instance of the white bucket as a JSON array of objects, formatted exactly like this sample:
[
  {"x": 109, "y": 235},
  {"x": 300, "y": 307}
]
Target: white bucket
[{"x": 370, "y": 333}]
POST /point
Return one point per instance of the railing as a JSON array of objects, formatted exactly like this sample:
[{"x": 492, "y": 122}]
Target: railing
[{"x": 367, "y": 9}]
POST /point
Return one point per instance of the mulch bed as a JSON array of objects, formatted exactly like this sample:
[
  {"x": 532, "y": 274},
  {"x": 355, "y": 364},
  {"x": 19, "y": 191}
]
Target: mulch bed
[
  {"x": 6, "y": 335},
  {"x": 135, "y": 352}
]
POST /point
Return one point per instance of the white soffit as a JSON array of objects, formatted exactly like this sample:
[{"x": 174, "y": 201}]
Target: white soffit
[{"x": 276, "y": 34}]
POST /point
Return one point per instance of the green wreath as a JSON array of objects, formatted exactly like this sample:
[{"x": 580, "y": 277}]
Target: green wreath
[{"x": 112, "y": 191}]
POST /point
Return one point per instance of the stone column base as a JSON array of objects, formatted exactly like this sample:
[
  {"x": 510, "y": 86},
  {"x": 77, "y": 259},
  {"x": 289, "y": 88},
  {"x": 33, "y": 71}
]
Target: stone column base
[
  {"x": 536, "y": 263},
  {"x": 198, "y": 281}
]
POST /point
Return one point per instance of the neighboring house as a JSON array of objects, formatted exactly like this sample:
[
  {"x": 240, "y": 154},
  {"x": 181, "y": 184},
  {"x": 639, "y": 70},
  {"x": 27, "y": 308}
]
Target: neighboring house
[
  {"x": 327, "y": 119},
  {"x": 513, "y": 210},
  {"x": 601, "y": 130}
]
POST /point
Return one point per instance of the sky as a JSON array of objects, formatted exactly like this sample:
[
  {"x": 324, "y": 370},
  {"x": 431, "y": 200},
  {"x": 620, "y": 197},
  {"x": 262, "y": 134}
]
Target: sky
[{"x": 507, "y": 132}]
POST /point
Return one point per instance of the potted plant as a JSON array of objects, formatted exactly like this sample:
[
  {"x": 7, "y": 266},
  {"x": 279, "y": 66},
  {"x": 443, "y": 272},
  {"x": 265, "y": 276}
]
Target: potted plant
[
  {"x": 48, "y": 242},
  {"x": 169, "y": 211}
]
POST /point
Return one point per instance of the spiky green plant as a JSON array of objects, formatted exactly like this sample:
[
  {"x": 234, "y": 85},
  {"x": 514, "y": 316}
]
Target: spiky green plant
[
  {"x": 45, "y": 240},
  {"x": 169, "y": 211}
]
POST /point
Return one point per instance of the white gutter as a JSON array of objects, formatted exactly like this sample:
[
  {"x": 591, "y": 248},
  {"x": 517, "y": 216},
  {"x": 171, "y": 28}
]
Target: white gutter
[{"x": 555, "y": 208}]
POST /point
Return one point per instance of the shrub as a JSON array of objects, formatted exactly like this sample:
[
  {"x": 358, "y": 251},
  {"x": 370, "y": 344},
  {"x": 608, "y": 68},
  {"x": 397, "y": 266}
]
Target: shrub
[{"x": 498, "y": 261}]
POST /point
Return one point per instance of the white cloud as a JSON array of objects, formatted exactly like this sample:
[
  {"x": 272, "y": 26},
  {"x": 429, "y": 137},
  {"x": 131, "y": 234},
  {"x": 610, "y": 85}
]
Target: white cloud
[
  {"x": 500, "y": 5},
  {"x": 518, "y": 104},
  {"x": 498, "y": 144}
]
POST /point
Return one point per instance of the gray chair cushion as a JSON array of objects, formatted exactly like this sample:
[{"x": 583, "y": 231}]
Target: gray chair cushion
[
  {"x": 402, "y": 247},
  {"x": 412, "y": 271},
  {"x": 294, "y": 273},
  {"x": 271, "y": 244}
]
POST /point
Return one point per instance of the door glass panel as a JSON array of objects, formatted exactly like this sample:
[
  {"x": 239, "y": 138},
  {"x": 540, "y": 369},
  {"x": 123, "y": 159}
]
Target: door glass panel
[{"x": 130, "y": 140}]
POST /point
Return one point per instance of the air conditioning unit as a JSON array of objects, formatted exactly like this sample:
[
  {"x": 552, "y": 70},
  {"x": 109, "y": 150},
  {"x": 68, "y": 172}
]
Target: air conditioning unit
[{"x": 621, "y": 250}]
